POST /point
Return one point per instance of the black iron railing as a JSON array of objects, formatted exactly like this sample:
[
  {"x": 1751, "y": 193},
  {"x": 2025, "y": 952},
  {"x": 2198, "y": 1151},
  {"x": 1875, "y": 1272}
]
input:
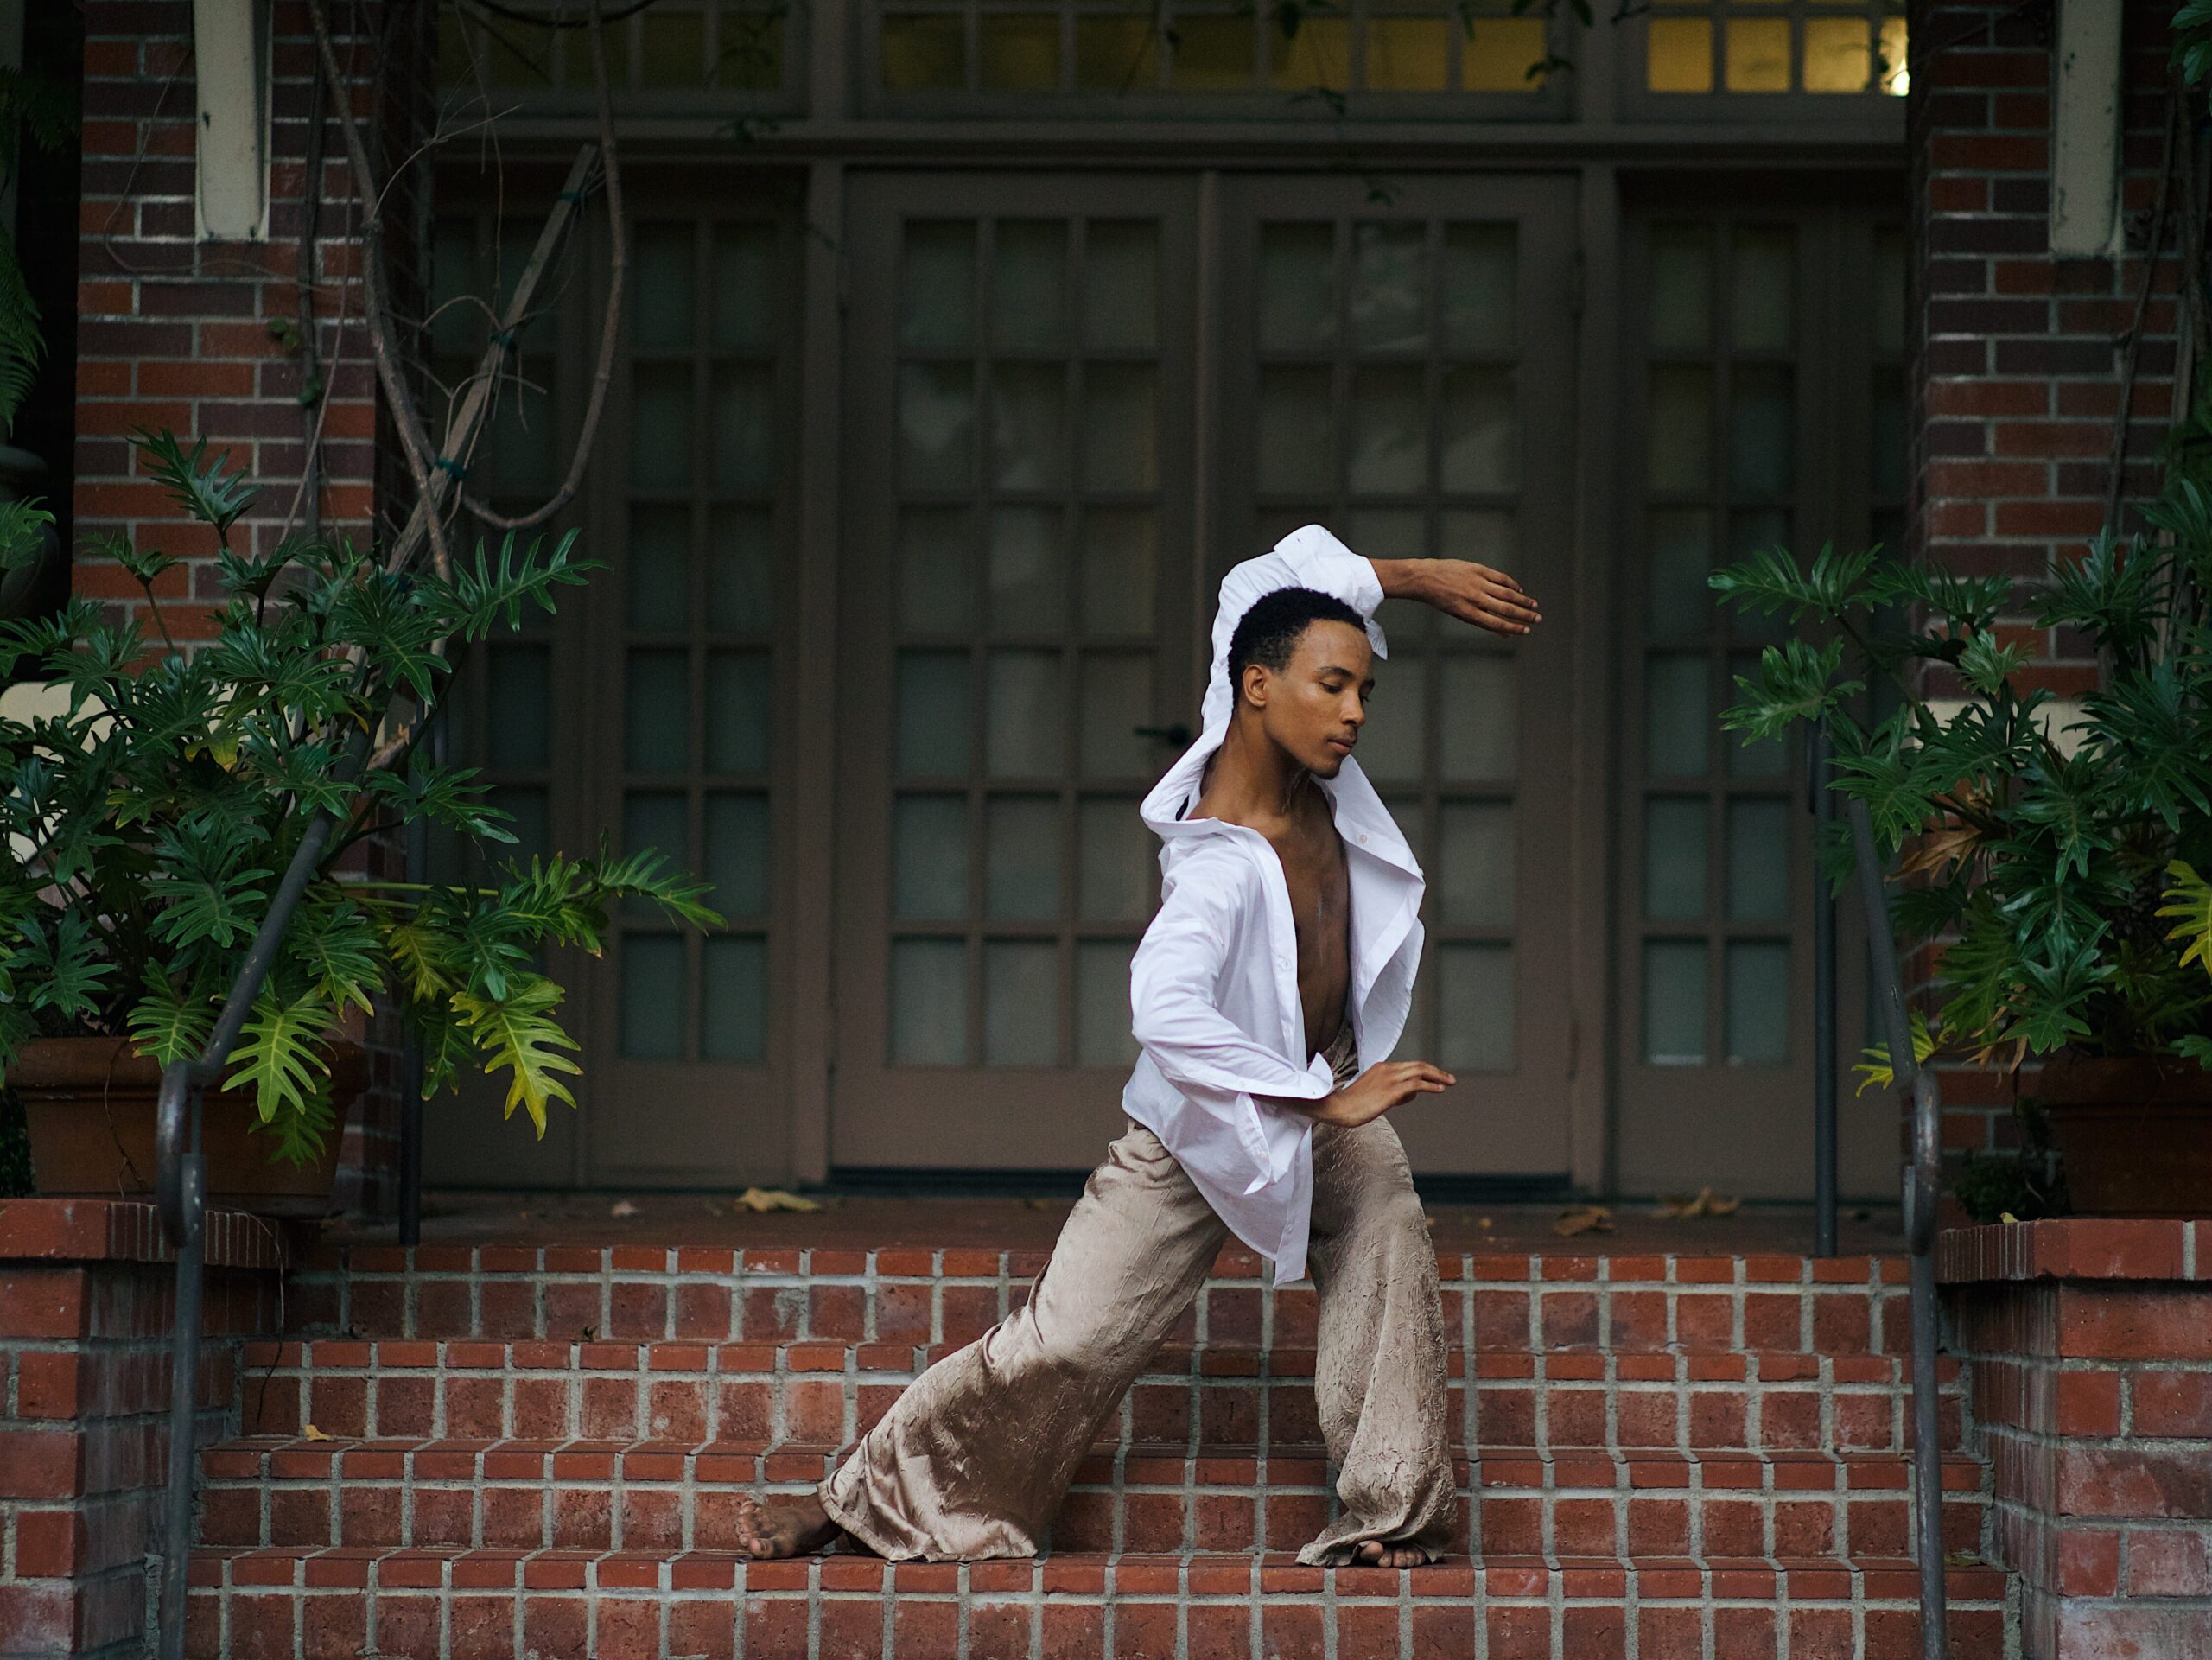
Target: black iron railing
[
  {"x": 1923, "y": 1101},
  {"x": 181, "y": 1190}
]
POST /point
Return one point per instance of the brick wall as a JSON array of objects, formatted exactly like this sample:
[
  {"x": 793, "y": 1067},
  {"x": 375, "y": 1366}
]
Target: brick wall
[
  {"x": 85, "y": 1294},
  {"x": 2021, "y": 355},
  {"x": 2088, "y": 1346},
  {"x": 202, "y": 337}
]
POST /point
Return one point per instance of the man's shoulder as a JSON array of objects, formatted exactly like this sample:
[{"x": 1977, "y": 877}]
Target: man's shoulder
[{"x": 1218, "y": 865}]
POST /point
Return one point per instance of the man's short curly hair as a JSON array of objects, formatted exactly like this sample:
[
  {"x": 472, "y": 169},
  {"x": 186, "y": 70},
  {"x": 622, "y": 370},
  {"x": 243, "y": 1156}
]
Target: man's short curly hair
[{"x": 1268, "y": 633}]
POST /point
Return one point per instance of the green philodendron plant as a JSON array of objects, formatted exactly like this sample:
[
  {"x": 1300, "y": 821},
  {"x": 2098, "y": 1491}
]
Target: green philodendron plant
[
  {"x": 2055, "y": 852},
  {"x": 149, "y": 820}
]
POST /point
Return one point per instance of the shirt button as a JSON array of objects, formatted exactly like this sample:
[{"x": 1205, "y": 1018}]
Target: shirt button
[{"x": 1362, "y": 840}]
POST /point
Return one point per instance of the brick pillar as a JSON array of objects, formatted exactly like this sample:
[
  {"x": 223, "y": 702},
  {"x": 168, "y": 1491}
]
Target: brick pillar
[
  {"x": 86, "y": 1291},
  {"x": 202, "y": 337},
  {"x": 2088, "y": 1345},
  {"x": 2020, "y": 352}
]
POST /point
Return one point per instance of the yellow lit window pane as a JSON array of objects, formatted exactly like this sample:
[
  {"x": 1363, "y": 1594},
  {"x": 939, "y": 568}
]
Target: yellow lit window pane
[
  {"x": 1891, "y": 69},
  {"x": 675, "y": 53},
  {"x": 1019, "y": 54},
  {"x": 924, "y": 51},
  {"x": 1758, "y": 55},
  {"x": 1679, "y": 55},
  {"x": 1502, "y": 50},
  {"x": 1213, "y": 54},
  {"x": 575, "y": 57},
  {"x": 1318, "y": 55},
  {"x": 1114, "y": 54},
  {"x": 751, "y": 52},
  {"x": 1406, "y": 54},
  {"x": 1836, "y": 57}
]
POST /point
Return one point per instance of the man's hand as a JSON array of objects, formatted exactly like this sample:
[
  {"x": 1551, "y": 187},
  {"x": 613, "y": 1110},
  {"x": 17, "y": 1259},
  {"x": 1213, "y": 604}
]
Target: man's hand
[
  {"x": 1459, "y": 588},
  {"x": 1386, "y": 1085}
]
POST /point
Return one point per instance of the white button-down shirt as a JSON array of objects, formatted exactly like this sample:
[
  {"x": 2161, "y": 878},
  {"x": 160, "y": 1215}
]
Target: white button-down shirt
[{"x": 1214, "y": 986}]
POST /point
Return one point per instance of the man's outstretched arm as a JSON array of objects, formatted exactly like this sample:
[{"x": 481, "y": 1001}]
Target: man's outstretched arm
[{"x": 1459, "y": 588}]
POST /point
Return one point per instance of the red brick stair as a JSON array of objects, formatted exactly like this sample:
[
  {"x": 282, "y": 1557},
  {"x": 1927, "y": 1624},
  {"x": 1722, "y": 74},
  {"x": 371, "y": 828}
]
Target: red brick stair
[{"x": 540, "y": 1449}]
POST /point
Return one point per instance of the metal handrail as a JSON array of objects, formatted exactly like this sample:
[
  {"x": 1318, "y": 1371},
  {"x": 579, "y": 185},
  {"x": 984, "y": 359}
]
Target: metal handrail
[
  {"x": 180, "y": 1190},
  {"x": 1922, "y": 1183}
]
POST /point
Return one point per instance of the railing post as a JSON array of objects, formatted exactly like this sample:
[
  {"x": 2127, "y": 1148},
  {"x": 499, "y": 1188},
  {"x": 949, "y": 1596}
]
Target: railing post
[
  {"x": 1818, "y": 751},
  {"x": 1922, "y": 1183},
  {"x": 184, "y": 1390},
  {"x": 411, "y": 1097}
]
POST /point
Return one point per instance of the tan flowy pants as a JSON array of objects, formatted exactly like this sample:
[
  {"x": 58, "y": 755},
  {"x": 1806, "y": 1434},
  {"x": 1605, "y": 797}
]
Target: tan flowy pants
[{"x": 973, "y": 1459}]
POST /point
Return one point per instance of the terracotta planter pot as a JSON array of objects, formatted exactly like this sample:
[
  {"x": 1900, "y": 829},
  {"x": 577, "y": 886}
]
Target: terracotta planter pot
[
  {"x": 89, "y": 1103},
  {"x": 2136, "y": 1135}
]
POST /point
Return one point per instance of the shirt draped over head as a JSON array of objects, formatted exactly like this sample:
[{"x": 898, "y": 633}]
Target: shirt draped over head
[{"x": 1213, "y": 988}]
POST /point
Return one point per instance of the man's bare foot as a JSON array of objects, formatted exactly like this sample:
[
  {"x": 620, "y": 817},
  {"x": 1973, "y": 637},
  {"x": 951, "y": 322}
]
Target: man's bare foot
[
  {"x": 784, "y": 1527},
  {"x": 1374, "y": 1553}
]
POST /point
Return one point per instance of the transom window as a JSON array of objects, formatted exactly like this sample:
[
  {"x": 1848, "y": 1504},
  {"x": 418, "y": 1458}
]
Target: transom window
[
  {"x": 728, "y": 46},
  {"x": 1775, "y": 46},
  {"x": 1108, "y": 47}
]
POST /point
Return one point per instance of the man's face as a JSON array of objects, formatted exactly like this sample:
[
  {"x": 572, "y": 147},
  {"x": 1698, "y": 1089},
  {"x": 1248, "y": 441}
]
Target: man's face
[{"x": 1314, "y": 705}]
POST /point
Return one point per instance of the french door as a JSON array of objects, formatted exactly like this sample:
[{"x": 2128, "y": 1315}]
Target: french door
[{"x": 1042, "y": 494}]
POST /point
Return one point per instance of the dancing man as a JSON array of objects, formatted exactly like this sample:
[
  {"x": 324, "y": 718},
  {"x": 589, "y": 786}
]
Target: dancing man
[{"x": 1283, "y": 952}]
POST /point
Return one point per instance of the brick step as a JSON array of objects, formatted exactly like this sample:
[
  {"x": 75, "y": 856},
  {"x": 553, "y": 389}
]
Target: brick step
[
  {"x": 648, "y": 1496},
  {"x": 1217, "y": 1393},
  {"x": 1646, "y": 1304},
  {"x": 556, "y": 1604}
]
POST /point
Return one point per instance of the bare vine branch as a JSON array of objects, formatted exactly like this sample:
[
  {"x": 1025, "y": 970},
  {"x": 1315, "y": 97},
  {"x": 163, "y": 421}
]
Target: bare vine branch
[
  {"x": 384, "y": 350},
  {"x": 610, "y": 323}
]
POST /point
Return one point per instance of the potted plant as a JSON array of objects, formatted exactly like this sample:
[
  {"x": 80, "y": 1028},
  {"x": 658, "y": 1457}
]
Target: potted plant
[
  {"x": 152, "y": 803},
  {"x": 2054, "y": 854}
]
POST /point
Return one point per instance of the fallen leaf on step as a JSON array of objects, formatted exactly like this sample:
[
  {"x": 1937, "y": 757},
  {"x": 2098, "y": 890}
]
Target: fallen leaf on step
[
  {"x": 1483, "y": 1223},
  {"x": 311, "y": 1434},
  {"x": 1584, "y": 1219},
  {"x": 2007, "y": 1216},
  {"x": 772, "y": 1199},
  {"x": 1677, "y": 1207},
  {"x": 623, "y": 1207}
]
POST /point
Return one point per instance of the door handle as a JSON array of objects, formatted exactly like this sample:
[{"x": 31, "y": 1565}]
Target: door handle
[{"x": 1178, "y": 735}]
